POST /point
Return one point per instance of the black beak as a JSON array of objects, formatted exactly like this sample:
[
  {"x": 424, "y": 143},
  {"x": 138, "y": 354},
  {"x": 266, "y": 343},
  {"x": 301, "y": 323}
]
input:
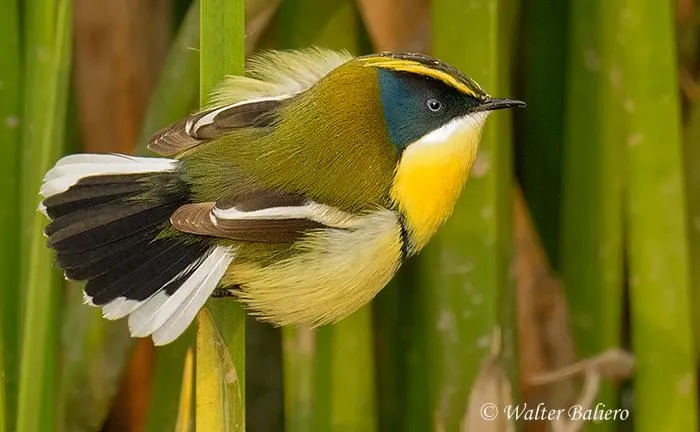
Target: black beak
[{"x": 492, "y": 104}]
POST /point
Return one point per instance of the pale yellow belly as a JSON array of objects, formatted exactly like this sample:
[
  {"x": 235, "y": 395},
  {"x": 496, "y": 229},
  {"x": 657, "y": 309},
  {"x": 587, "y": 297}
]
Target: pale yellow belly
[{"x": 334, "y": 273}]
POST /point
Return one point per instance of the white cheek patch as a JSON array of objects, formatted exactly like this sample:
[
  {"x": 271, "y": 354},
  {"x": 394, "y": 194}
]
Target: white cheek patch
[{"x": 446, "y": 131}]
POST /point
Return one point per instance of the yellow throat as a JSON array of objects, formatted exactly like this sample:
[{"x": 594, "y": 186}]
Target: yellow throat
[{"x": 431, "y": 173}]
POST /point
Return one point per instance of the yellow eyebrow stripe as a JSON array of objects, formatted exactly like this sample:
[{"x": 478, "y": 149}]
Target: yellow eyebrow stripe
[{"x": 401, "y": 65}]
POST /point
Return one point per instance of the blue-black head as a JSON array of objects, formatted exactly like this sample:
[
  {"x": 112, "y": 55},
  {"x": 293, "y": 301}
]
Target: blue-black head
[{"x": 420, "y": 94}]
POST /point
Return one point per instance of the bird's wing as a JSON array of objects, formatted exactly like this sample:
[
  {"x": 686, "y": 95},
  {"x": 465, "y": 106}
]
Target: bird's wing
[
  {"x": 252, "y": 100},
  {"x": 260, "y": 217},
  {"x": 214, "y": 123}
]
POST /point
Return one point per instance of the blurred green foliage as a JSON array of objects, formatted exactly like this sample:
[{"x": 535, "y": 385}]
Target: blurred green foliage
[{"x": 607, "y": 153}]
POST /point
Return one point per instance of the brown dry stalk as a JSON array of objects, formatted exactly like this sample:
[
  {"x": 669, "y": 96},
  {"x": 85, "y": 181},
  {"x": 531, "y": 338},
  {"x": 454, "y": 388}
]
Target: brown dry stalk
[
  {"x": 397, "y": 24},
  {"x": 119, "y": 48},
  {"x": 545, "y": 343}
]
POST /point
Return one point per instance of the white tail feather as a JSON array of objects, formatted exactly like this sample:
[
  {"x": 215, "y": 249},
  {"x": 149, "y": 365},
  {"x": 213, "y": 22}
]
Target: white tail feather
[
  {"x": 70, "y": 169},
  {"x": 119, "y": 308},
  {"x": 178, "y": 322},
  {"x": 166, "y": 317},
  {"x": 149, "y": 316}
]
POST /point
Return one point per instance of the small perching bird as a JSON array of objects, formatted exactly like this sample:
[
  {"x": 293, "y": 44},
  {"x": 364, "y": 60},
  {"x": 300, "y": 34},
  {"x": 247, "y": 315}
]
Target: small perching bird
[{"x": 301, "y": 190}]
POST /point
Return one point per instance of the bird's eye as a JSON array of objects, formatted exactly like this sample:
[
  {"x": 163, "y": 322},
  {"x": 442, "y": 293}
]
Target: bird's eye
[{"x": 434, "y": 105}]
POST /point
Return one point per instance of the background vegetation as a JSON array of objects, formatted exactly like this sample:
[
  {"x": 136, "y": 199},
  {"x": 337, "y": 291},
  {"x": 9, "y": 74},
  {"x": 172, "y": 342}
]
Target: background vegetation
[{"x": 592, "y": 300}]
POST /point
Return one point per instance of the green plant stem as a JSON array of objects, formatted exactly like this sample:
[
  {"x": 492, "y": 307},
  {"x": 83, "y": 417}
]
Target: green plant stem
[
  {"x": 591, "y": 241},
  {"x": 665, "y": 380},
  {"x": 542, "y": 124},
  {"x": 691, "y": 158},
  {"x": 222, "y": 27},
  {"x": 464, "y": 271},
  {"x": 303, "y": 363},
  {"x": 688, "y": 49},
  {"x": 3, "y": 403},
  {"x": 48, "y": 28},
  {"x": 395, "y": 331},
  {"x": 10, "y": 68},
  {"x": 222, "y": 30},
  {"x": 352, "y": 377}
]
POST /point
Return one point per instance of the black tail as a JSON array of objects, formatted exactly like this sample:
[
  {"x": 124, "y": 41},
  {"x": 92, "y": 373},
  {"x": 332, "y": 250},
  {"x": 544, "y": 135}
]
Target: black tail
[{"x": 111, "y": 228}]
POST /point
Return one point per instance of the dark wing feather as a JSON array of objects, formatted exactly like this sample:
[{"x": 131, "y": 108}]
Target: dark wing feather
[
  {"x": 250, "y": 226},
  {"x": 253, "y": 114},
  {"x": 214, "y": 123}
]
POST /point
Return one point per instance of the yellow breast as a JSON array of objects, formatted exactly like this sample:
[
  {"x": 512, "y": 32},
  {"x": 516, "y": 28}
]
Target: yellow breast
[{"x": 431, "y": 174}]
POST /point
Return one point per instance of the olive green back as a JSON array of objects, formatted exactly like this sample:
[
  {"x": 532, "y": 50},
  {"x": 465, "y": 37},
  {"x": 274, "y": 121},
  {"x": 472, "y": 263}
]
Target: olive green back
[{"x": 330, "y": 144}]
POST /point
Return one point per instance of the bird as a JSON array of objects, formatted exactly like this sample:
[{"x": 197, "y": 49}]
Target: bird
[{"x": 299, "y": 191}]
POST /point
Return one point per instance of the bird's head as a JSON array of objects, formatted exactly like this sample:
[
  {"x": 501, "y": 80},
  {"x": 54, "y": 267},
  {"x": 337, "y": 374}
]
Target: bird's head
[
  {"x": 426, "y": 99},
  {"x": 433, "y": 116}
]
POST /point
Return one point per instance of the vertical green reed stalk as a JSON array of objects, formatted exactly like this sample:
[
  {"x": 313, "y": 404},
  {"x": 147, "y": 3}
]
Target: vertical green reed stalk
[
  {"x": 691, "y": 158},
  {"x": 10, "y": 71},
  {"x": 175, "y": 96},
  {"x": 222, "y": 30},
  {"x": 665, "y": 382},
  {"x": 48, "y": 35},
  {"x": 465, "y": 270},
  {"x": 688, "y": 48},
  {"x": 3, "y": 405},
  {"x": 328, "y": 372},
  {"x": 591, "y": 240},
  {"x": 542, "y": 126}
]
